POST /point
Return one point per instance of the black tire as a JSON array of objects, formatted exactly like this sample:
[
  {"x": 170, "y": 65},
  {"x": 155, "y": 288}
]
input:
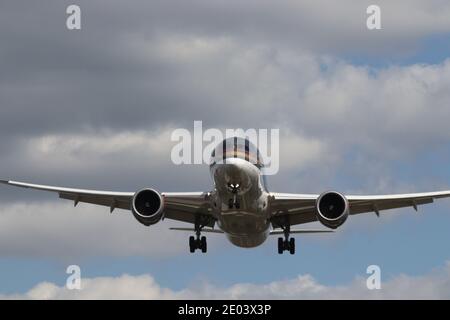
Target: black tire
[
  {"x": 192, "y": 245},
  {"x": 292, "y": 246},
  {"x": 203, "y": 245},
  {"x": 280, "y": 245}
]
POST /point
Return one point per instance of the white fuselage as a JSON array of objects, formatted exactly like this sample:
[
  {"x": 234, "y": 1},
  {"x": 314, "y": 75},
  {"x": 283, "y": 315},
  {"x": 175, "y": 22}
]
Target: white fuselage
[{"x": 246, "y": 225}]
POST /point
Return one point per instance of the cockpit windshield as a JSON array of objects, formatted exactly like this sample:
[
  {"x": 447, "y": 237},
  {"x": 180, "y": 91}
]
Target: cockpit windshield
[{"x": 236, "y": 147}]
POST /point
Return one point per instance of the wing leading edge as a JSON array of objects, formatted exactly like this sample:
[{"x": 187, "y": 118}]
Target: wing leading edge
[
  {"x": 300, "y": 208},
  {"x": 185, "y": 207}
]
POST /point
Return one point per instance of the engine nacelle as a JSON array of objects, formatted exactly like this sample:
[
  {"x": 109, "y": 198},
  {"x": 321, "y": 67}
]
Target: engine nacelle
[
  {"x": 332, "y": 209},
  {"x": 148, "y": 206}
]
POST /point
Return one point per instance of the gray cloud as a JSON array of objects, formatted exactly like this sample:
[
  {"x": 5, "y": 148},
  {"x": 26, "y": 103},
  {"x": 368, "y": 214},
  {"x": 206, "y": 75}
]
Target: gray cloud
[
  {"x": 407, "y": 108},
  {"x": 142, "y": 65},
  {"x": 60, "y": 232}
]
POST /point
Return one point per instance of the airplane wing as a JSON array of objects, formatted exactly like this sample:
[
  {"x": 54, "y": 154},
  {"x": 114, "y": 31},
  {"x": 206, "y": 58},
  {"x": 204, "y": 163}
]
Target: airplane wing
[
  {"x": 300, "y": 208},
  {"x": 185, "y": 207}
]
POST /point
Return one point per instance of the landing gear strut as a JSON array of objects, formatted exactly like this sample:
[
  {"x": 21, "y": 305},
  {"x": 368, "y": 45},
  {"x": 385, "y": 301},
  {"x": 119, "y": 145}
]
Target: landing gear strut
[
  {"x": 234, "y": 202},
  {"x": 197, "y": 242},
  {"x": 286, "y": 244}
]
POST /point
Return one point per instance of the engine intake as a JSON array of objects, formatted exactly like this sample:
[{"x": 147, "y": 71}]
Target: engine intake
[
  {"x": 332, "y": 209},
  {"x": 148, "y": 206}
]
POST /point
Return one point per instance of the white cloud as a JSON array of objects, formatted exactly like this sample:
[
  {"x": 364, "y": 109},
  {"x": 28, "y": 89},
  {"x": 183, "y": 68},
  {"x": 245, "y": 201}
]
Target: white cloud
[
  {"x": 100, "y": 149},
  {"x": 300, "y": 153},
  {"x": 395, "y": 111},
  {"x": 92, "y": 150},
  {"x": 434, "y": 285},
  {"x": 79, "y": 160}
]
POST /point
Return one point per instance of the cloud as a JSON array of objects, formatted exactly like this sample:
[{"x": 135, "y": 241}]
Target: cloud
[
  {"x": 324, "y": 114},
  {"x": 204, "y": 61},
  {"x": 124, "y": 160},
  {"x": 59, "y": 231},
  {"x": 227, "y": 82},
  {"x": 239, "y": 69},
  {"x": 434, "y": 285}
]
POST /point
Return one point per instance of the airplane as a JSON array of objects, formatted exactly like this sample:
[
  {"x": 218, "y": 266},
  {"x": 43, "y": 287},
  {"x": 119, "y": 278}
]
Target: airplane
[{"x": 239, "y": 204}]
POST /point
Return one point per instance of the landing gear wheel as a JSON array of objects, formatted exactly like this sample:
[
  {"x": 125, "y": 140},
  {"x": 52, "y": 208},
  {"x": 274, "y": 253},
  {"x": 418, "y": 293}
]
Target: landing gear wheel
[
  {"x": 192, "y": 244},
  {"x": 292, "y": 246},
  {"x": 203, "y": 245},
  {"x": 230, "y": 204},
  {"x": 280, "y": 245},
  {"x": 233, "y": 203},
  {"x": 197, "y": 243}
]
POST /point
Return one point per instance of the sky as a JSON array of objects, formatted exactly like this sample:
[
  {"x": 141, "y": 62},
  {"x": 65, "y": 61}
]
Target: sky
[{"x": 359, "y": 111}]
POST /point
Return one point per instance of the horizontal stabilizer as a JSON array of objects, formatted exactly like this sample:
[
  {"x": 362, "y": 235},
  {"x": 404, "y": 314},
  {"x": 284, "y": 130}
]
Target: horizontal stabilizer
[
  {"x": 275, "y": 232},
  {"x": 205, "y": 230}
]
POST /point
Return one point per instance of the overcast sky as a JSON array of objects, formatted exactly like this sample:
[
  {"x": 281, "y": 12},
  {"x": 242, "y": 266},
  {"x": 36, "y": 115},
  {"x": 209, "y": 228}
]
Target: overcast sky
[{"x": 358, "y": 111}]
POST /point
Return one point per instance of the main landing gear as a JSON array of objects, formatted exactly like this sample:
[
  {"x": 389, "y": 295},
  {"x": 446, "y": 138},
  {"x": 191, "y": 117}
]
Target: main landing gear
[
  {"x": 197, "y": 242},
  {"x": 286, "y": 244}
]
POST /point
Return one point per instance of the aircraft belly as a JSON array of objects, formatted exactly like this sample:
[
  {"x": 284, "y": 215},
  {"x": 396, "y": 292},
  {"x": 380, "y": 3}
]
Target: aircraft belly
[
  {"x": 245, "y": 230},
  {"x": 248, "y": 241}
]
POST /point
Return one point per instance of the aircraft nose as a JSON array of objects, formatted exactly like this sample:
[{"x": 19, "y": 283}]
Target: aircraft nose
[
  {"x": 233, "y": 174},
  {"x": 236, "y": 178}
]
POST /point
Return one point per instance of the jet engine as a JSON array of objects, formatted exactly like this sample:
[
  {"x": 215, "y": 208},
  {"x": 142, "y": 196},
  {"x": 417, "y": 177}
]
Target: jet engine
[
  {"x": 332, "y": 209},
  {"x": 148, "y": 206}
]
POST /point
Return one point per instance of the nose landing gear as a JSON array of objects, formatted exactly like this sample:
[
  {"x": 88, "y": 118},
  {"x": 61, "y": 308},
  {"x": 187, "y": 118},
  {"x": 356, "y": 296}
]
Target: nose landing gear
[{"x": 234, "y": 202}]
